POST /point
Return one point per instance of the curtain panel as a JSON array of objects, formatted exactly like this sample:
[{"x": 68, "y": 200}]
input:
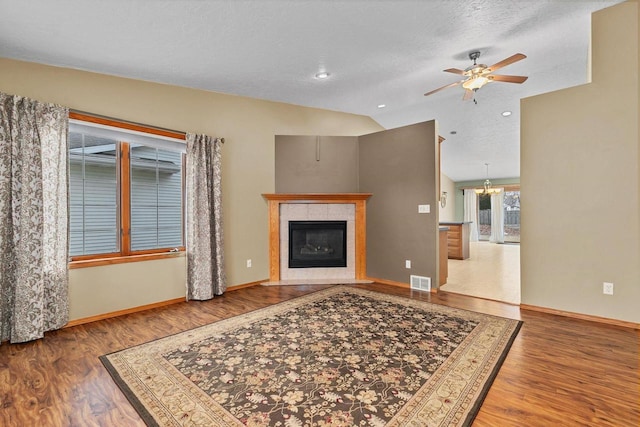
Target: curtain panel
[
  {"x": 497, "y": 217},
  {"x": 471, "y": 213},
  {"x": 205, "y": 257},
  {"x": 33, "y": 218}
]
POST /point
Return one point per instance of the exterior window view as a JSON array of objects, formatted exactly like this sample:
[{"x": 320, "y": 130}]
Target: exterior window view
[
  {"x": 511, "y": 216},
  {"x": 142, "y": 196}
]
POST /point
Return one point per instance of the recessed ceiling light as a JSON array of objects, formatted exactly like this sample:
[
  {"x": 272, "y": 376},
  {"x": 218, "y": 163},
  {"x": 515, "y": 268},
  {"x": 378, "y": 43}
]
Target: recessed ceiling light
[
  {"x": 506, "y": 113},
  {"x": 382, "y": 105},
  {"x": 322, "y": 75}
]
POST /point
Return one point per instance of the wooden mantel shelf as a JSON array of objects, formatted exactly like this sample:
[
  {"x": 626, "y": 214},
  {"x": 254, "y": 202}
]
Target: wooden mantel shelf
[
  {"x": 276, "y": 199},
  {"x": 317, "y": 197}
]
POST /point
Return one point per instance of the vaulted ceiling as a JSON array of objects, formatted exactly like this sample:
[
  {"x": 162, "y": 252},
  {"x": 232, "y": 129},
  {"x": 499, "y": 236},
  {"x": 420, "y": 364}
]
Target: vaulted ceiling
[{"x": 376, "y": 52}]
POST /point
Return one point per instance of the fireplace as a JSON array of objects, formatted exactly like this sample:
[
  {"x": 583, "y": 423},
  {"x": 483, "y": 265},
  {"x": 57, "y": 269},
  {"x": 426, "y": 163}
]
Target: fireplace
[
  {"x": 317, "y": 244},
  {"x": 315, "y": 207}
]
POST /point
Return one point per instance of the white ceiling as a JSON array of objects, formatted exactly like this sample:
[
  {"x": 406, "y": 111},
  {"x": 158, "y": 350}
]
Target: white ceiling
[{"x": 376, "y": 51}]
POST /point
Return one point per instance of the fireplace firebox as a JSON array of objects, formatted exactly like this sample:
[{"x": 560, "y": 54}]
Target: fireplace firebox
[{"x": 317, "y": 244}]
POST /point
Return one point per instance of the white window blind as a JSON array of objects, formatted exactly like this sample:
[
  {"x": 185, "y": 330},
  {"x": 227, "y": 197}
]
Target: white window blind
[
  {"x": 155, "y": 190},
  {"x": 131, "y": 136}
]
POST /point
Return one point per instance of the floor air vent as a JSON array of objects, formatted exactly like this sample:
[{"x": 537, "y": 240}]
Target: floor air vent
[{"x": 421, "y": 283}]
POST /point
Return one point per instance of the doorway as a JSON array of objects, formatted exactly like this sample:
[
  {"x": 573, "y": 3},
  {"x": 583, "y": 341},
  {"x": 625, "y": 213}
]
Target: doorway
[
  {"x": 493, "y": 270},
  {"x": 510, "y": 216}
]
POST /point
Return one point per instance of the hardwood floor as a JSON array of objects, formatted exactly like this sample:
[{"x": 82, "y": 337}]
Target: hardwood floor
[{"x": 559, "y": 372}]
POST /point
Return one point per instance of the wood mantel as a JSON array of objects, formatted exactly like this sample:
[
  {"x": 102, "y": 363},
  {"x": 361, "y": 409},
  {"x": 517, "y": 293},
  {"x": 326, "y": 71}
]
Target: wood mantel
[{"x": 358, "y": 199}]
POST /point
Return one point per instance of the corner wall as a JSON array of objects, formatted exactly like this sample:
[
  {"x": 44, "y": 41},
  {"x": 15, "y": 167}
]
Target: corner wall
[
  {"x": 248, "y": 126},
  {"x": 399, "y": 166},
  {"x": 316, "y": 164},
  {"x": 580, "y": 182}
]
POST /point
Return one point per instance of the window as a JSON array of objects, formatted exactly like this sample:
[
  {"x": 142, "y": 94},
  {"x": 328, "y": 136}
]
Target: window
[
  {"x": 484, "y": 216},
  {"x": 126, "y": 189},
  {"x": 510, "y": 217}
]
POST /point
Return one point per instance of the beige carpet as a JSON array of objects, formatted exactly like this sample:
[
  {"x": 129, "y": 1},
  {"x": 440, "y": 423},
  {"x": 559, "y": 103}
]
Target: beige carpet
[{"x": 338, "y": 357}]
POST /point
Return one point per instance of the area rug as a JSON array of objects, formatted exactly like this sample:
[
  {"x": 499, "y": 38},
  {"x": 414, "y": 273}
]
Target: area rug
[{"x": 338, "y": 357}]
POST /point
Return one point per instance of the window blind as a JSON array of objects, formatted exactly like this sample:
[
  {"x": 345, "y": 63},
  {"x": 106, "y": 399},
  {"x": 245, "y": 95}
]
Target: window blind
[{"x": 131, "y": 136}]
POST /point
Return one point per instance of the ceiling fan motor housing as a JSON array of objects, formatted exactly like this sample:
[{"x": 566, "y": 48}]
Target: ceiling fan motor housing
[{"x": 474, "y": 55}]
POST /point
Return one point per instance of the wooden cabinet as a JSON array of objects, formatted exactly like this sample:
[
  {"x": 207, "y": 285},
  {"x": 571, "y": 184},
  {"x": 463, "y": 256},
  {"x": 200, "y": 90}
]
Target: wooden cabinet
[{"x": 457, "y": 239}]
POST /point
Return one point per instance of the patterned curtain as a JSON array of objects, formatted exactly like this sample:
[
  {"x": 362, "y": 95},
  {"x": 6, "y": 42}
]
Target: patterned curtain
[
  {"x": 33, "y": 218},
  {"x": 205, "y": 257}
]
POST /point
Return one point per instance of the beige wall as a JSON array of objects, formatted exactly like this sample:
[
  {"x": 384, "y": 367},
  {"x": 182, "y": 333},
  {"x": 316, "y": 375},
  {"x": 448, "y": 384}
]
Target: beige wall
[
  {"x": 248, "y": 125},
  {"x": 448, "y": 213},
  {"x": 580, "y": 182}
]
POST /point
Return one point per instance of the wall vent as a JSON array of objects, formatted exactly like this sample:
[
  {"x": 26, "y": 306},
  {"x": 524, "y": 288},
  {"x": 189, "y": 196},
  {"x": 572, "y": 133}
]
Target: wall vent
[{"x": 421, "y": 283}]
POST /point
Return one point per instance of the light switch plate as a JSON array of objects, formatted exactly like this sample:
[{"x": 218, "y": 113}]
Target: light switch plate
[{"x": 424, "y": 208}]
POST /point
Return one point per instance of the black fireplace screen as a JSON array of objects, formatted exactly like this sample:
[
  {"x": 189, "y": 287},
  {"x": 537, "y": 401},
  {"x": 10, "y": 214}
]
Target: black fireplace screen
[{"x": 317, "y": 244}]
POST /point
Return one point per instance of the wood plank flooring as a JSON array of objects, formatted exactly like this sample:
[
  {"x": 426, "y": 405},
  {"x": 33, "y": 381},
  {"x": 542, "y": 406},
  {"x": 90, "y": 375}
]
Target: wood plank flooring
[{"x": 559, "y": 372}]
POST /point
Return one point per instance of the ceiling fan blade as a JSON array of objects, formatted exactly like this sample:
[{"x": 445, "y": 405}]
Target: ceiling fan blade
[
  {"x": 505, "y": 62},
  {"x": 443, "y": 87},
  {"x": 508, "y": 79},
  {"x": 454, "y": 71},
  {"x": 468, "y": 94}
]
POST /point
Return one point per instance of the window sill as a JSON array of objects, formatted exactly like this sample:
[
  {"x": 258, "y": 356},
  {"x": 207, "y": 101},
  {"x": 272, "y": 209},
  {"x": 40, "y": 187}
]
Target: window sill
[{"x": 124, "y": 259}]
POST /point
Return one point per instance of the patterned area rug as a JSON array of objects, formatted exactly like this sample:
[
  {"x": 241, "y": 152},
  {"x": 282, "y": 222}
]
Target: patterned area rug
[{"x": 338, "y": 357}]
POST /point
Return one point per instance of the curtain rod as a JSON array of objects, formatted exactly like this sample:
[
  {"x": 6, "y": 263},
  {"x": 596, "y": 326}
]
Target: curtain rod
[
  {"x": 470, "y": 187},
  {"x": 99, "y": 116}
]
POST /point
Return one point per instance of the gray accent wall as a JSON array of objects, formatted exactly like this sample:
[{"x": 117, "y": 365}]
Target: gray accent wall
[
  {"x": 399, "y": 167},
  {"x": 316, "y": 164}
]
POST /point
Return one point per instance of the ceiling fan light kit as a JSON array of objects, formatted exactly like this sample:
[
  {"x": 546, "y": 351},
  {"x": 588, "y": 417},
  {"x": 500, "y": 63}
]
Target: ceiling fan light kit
[
  {"x": 478, "y": 75},
  {"x": 475, "y": 83}
]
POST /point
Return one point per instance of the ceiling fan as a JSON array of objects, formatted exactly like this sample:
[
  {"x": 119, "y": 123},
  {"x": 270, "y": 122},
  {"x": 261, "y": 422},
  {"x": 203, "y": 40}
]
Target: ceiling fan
[{"x": 478, "y": 75}]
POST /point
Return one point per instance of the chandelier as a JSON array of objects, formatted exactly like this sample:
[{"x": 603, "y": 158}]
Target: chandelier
[{"x": 487, "y": 189}]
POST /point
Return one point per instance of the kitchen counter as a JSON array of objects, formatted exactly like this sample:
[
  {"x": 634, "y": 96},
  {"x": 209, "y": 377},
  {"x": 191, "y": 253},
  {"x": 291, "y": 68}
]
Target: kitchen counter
[{"x": 457, "y": 239}]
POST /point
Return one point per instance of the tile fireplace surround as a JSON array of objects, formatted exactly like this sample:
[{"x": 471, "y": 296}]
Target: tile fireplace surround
[{"x": 350, "y": 207}]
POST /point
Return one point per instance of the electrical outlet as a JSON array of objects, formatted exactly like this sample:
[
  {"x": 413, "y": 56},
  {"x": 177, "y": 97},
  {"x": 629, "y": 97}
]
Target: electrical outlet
[
  {"x": 248, "y": 263},
  {"x": 407, "y": 264},
  {"x": 607, "y": 288}
]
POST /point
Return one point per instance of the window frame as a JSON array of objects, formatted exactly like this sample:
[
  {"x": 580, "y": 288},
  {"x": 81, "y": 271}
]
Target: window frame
[{"x": 123, "y": 196}]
